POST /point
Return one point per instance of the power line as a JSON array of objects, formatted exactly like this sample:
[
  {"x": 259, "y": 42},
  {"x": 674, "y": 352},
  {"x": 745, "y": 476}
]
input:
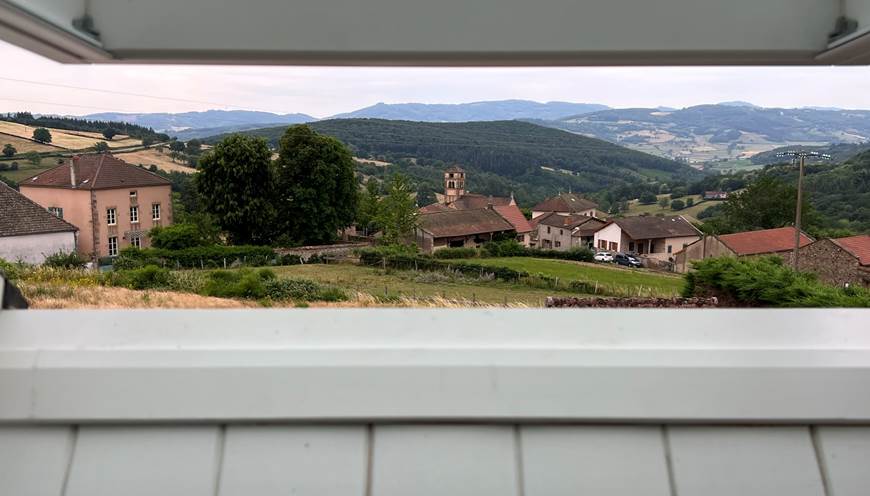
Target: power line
[{"x": 124, "y": 93}]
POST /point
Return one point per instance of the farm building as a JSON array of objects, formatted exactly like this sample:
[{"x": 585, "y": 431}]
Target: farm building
[
  {"x": 840, "y": 261},
  {"x": 779, "y": 241},
  {"x": 28, "y": 232},
  {"x": 460, "y": 229}
]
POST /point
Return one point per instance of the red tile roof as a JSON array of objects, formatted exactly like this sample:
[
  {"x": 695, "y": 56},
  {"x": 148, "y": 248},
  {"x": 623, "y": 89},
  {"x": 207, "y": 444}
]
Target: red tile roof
[
  {"x": 20, "y": 216},
  {"x": 463, "y": 222},
  {"x": 856, "y": 245},
  {"x": 512, "y": 214},
  {"x": 654, "y": 227},
  {"x": 433, "y": 207},
  {"x": 471, "y": 201},
  {"x": 95, "y": 171},
  {"x": 764, "y": 241}
]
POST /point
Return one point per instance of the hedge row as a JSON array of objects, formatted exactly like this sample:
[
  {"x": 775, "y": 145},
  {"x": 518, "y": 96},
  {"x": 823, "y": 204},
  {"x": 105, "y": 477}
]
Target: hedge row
[
  {"x": 511, "y": 248},
  {"x": 378, "y": 258},
  {"x": 211, "y": 257}
]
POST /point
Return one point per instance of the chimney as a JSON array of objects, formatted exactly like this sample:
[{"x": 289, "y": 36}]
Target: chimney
[
  {"x": 72, "y": 170},
  {"x": 489, "y": 202}
]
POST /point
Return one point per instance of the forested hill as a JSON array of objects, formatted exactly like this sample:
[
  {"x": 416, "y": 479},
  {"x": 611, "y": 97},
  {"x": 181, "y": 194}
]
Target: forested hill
[
  {"x": 511, "y": 149},
  {"x": 841, "y": 192}
]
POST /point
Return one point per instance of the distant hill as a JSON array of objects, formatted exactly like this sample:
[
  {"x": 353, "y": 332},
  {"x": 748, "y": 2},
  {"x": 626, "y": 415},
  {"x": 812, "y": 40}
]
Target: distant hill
[
  {"x": 477, "y": 111},
  {"x": 533, "y": 161},
  {"x": 719, "y": 132},
  {"x": 173, "y": 123}
]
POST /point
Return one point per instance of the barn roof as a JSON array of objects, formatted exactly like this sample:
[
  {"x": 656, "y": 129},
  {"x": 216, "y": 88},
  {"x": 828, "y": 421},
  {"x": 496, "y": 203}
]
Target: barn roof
[
  {"x": 763, "y": 241},
  {"x": 463, "y": 222},
  {"x": 20, "y": 216},
  {"x": 95, "y": 171},
  {"x": 514, "y": 215}
]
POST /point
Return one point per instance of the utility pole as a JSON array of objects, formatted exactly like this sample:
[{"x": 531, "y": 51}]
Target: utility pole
[{"x": 800, "y": 156}]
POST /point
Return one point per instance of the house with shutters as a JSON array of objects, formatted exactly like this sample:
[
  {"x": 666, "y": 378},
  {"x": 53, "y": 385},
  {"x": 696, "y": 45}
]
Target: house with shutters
[
  {"x": 568, "y": 204},
  {"x": 112, "y": 203},
  {"x": 651, "y": 237},
  {"x": 564, "y": 232},
  {"x": 29, "y": 232}
]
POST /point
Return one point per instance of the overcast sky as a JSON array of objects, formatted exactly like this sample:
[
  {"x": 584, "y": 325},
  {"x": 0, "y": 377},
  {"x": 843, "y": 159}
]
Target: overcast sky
[{"x": 324, "y": 91}]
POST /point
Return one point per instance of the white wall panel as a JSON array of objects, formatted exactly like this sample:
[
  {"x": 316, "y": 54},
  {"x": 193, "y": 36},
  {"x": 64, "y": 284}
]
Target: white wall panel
[
  {"x": 423, "y": 460},
  {"x": 34, "y": 459},
  {"x": 595, "y": 460},
  {"x": 744, "y": 461},
  {"x": 845, "y": 453},
  {"x": 145, "y": 461},
  {"x": 271, "y": 460}
]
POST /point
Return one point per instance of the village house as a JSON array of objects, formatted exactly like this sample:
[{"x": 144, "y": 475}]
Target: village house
[
  {"x": 455, "y": 197},
  {"x": 779, "y": 241},
  {"x": 564, "y": 232},
  {"x": 460, "y": 229},
  {"x": 112, "y": 203},
  {"x": 28, "y": 232},
  {"x": 839, "y": 261},
  {"x": 568, "y": 204},
  {"x": 652, "y": 237}
]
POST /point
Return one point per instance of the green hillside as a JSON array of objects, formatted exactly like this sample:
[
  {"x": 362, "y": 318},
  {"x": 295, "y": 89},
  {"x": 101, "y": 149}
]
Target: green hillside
[{"x": 502, "y": 156}]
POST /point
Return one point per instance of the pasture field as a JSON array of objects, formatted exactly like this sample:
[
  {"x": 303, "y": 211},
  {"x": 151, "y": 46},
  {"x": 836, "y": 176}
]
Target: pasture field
[
  {"x": 70, "y": 140},
  {"x": 151, "y": 156}
]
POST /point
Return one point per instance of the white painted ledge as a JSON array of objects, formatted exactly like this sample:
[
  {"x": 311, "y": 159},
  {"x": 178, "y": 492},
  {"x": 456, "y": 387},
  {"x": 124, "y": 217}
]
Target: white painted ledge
[{"x": 655, "y": 366}]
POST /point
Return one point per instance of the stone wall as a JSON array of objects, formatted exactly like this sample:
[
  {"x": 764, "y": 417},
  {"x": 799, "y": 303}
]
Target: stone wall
[
  {"x": 830, "y": 263},
  {"x": 339, "y": 250},
  {"x": 594, "y": 302}
]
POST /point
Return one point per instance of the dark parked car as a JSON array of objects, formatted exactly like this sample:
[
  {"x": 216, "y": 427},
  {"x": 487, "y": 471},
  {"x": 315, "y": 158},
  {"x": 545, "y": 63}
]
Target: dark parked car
[{"x": 627, "y": 260}]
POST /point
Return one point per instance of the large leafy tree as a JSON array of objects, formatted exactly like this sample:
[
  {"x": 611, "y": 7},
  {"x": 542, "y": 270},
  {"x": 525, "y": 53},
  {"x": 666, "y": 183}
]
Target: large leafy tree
[
  {"x": 42, "y": 135},
  {"x": 9, "y": 150},
  {"x": 235, "y": 186},
  {"x": 767, "y": 203},
  {"x": 316, "y": 188},
  {"x": 398, "y": 212}
]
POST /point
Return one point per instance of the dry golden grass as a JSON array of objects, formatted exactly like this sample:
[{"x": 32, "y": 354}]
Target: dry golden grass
[
  {"x": 71, "y": 140},
  {"x": 365, "y": 300},
  {"x": 152, "y": 156},
  {"x": 51, "y": 296},
  {"x": 25, "y": 145}
]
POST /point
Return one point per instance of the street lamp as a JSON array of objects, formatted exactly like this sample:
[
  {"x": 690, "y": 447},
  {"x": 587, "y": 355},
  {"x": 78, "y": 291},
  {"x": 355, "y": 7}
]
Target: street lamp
[{"x": 801, "y": 156}]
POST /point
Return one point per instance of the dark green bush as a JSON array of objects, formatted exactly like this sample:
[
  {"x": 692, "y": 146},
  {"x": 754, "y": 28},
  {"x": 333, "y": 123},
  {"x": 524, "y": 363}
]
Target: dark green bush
[
  {"x": 177, "y": 237},
  {"x": 10, "y": 270},
  {"x": 63, "y": 260},
  {"x": 376, "y": 258},
  {"x": 505, "y": 248},
  {"x": 453, "y": 253},
  {"x": 148, "y": 277},
  {"x": 243, "y": 283},
  {"x": 766, "y": 282},
  {"x": 303, "y": 290}
]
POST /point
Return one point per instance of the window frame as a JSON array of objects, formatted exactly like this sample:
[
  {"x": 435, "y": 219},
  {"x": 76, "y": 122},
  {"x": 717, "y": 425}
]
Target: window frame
[
  {"x": 134, "y": 219},
  {"x": 155, "y": 208},
  {"x": 56, "y": 211},
  {"x": 112, "y": 244},
  {"x": 112, "y": 220}
]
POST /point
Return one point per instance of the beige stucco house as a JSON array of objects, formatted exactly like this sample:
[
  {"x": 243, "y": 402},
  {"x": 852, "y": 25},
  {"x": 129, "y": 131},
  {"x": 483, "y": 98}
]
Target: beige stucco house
[
  {"x": 112, "y": 203},
  {"x": 560, "y": 232},
  {"x": 651, "y": 237}
]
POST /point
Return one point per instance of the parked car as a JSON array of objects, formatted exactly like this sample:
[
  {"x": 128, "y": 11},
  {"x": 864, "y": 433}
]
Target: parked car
[
  {"x": 626, "y": 260},
  {"x": 603, "y": 256}
]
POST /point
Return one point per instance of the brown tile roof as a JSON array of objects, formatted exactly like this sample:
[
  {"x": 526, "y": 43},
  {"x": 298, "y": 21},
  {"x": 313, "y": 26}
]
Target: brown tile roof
[
  {"x": 514, "y": 215},
  {"x": 463, "y": 222},
  {"x": 454, "y": 168},
  {"x": 856, "y": 245},
  {"x": 588, "y": 228},
  {"x": 20, "y": 216},
  {"x": 764, "y": 241},
  {"x": 433, "y": 207},
  {"x": 472, "y": 201},
  {"x": 559, "y": 220},
  {"x": 95, "y": 171},
  {"x": 653, "y": 227},
  {"x": 566, "y": 203}
]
